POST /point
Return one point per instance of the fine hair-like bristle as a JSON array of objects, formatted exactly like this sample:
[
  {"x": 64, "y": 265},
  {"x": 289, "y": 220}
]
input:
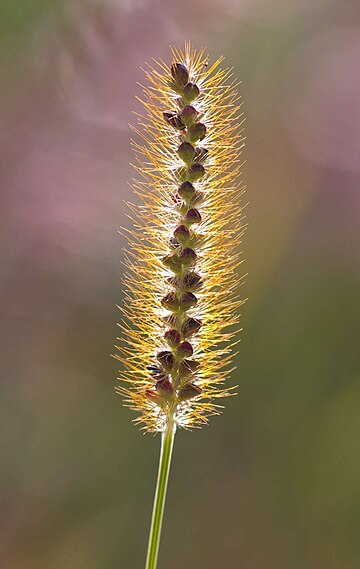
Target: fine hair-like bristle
[{"x": 181, "y": 309}]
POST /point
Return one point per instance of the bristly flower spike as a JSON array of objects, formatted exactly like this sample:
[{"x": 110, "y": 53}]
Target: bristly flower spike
[
  {"x": 181, "y": 310},
  {"x": 183, "y": 250}
]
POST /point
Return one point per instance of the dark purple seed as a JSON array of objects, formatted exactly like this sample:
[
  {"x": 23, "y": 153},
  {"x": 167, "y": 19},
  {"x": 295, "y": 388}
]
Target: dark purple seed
[
  {"x": 195, "y": 172},
  {"x": 187, "y": 300},
  {"x": 186, "y": 152},
  {"x": 164, "y": 388},
  {"x": 170, "y": 302},
  {"x": 192, "y": 280},
  {"x": 193, "y": 216},
  {"x": 191, "y": 91},
  {"x": 186, "y": 191},
  {"x": 172, "y": 337},
  {"x": 189, "y": 391},
  {"x": 166, "y": 359},
  {"x": 182, "y": 233},
  {"x": 188, "y": 367},
  {"x": 185, "y": 350},
  {"x": 179, "y": 73},
  {"x": 176, "y": 122},
  {"x": 197, "y": 132},
  {"x": 188, "y": 115},
  {"x": 188, "y": 256},
  {"x": 190, "y": 326}
]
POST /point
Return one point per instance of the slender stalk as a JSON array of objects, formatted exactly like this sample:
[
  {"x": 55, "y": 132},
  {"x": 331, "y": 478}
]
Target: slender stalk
[{"x": 167, "y": 443}]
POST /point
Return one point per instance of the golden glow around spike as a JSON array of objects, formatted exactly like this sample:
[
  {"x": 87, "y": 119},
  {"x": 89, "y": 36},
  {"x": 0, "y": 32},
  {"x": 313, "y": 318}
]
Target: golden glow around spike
[{"x": 158, "y": 264}]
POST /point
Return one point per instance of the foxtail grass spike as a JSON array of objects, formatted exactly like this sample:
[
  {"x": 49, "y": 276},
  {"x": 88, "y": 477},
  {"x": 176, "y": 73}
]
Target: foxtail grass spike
[
  {"x": 181, "y": 310},
  {"x": 188, "y": 223}
]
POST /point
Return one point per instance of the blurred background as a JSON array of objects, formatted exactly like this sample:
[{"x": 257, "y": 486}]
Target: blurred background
[{"x": 274, "y": 483}]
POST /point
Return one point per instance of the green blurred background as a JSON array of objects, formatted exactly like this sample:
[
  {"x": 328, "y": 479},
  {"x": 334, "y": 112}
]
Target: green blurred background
[{"x": 274, "y": 483}]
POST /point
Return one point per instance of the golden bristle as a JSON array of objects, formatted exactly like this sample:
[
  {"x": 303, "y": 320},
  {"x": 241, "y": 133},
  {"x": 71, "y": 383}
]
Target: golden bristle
[{"x": 217, "y": 238}]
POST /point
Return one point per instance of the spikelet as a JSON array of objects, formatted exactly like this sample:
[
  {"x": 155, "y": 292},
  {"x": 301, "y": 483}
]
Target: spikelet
[{"x": 180, "y": 313}]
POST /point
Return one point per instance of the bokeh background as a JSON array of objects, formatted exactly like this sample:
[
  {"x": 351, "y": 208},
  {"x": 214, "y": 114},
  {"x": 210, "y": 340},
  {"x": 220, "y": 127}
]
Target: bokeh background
[{"x": 274, "y": 483}]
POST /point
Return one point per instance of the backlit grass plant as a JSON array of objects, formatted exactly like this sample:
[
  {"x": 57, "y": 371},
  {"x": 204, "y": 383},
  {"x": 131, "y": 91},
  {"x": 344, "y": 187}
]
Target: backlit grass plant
[{"x": 181, "y": 310}]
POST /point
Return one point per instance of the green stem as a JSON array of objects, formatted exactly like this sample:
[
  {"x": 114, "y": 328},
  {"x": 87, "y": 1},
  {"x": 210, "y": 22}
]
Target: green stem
[{"x": 167, "y": 443}]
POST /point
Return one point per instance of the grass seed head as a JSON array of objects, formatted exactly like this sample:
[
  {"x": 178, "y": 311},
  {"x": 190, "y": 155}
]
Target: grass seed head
[{"x": 182, "y": 309}]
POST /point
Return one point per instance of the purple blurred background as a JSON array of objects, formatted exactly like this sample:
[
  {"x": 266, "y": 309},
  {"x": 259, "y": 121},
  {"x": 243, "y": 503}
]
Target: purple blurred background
[{"x": 274, "y": 483}]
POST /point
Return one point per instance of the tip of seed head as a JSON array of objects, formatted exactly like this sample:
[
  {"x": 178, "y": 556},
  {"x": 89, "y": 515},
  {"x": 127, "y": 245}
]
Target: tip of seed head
[{"x": 179, "y": 73}]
